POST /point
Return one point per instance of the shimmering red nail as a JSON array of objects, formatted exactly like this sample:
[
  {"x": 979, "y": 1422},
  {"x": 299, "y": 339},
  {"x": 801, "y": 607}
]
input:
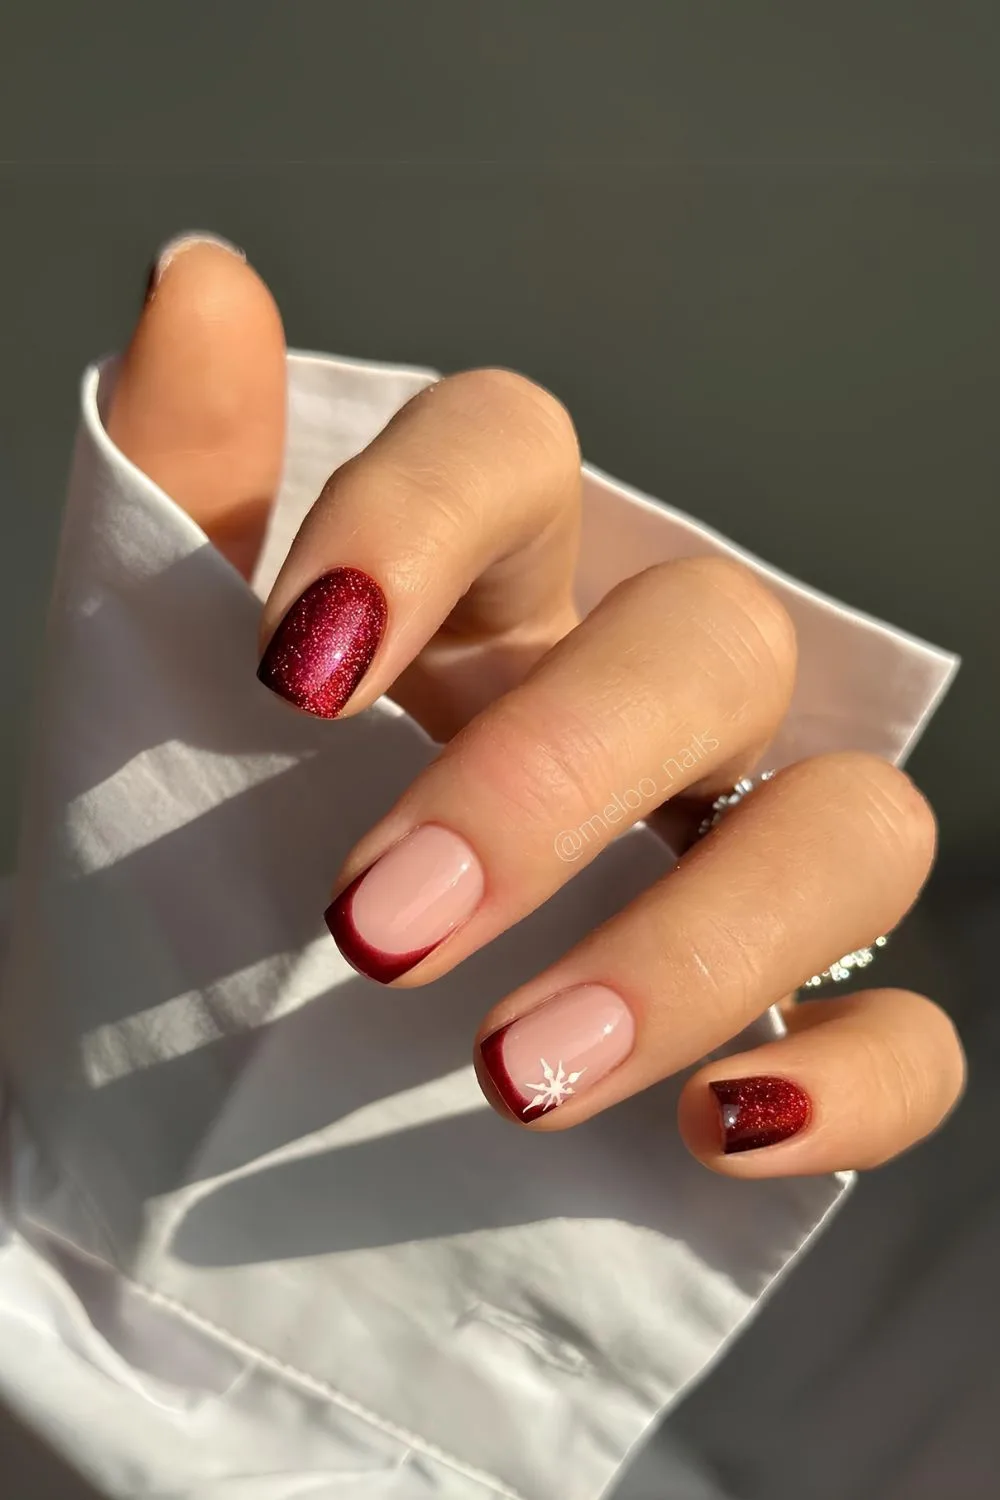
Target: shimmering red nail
[
  {"x": 759, "y": 1111},
  {"x": 325, "y": 644}
]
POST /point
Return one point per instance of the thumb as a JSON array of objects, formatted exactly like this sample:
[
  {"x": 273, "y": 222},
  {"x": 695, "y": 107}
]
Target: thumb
[{"x": 199, "y": 404}]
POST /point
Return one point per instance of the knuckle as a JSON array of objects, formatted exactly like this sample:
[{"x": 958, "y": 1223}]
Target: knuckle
[
  {"x": 911, "y": 1102},
  {"x": 940, "y": 1068},
  {"x": 887, "y": 800},
  {"x": 469, "y": 445},
  {"x": 449, "y": 500},
  {"x": 901, "y": 1083},
  {"x": 729, "y": 960},
  {"x": 527, "y": 408},
  {"x": 758, "y": 614},
  {"x": 548, "y": 772},
  {"x": 908, "y": 1051},
  {"x": 738, "y": 613}
]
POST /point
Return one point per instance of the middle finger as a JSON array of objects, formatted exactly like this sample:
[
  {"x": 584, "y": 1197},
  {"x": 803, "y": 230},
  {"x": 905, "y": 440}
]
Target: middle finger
[{"x": 678, "y": 679}]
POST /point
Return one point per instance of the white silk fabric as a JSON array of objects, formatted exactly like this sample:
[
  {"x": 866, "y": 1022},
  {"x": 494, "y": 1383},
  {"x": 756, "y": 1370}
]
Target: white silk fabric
[{"x": 263, "y": 1238}]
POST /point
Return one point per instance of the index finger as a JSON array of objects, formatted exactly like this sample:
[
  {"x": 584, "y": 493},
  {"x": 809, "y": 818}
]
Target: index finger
[{"x": 465, "y": 510}]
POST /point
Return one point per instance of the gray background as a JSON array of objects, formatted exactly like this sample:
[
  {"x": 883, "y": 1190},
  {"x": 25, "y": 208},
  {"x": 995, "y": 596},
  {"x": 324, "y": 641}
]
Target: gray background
[{"x": 754, "y": 247}]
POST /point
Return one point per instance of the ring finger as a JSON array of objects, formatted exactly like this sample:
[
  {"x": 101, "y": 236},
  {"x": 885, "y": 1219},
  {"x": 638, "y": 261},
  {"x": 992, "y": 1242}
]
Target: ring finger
[{"x": 814, "y": 864}]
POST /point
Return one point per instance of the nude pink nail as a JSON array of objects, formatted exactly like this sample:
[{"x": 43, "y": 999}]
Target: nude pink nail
[
  {"x": 559, "y": 1049},
  {"x": 406, "y": 903}
]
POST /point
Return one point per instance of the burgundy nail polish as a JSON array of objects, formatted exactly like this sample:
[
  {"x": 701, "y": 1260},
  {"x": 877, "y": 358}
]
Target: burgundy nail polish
[
  {"x": 325, "y": 644},
  {"x": 558, "y": 1050},
  {"x": 759, "y": 1111},
  {"x": 368, "y": 960},
  {"x": 406, "y": 903}
]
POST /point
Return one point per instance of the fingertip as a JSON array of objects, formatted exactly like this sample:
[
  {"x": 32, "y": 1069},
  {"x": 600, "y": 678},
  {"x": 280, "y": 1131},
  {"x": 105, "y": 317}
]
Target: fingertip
[
  {"x": 199, "y": 403},
  {"x": 178, "y": 244},
  {"x": 204, "y": 286}
]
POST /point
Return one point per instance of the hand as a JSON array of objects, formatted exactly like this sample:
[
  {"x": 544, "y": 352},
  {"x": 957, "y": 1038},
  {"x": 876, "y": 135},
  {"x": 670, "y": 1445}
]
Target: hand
[{"x": 438, "y": 566}]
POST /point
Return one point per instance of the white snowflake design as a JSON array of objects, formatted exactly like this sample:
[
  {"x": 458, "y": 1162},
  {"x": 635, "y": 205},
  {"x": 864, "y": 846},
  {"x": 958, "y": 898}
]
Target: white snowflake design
[{"x": 557, "y": 1086}]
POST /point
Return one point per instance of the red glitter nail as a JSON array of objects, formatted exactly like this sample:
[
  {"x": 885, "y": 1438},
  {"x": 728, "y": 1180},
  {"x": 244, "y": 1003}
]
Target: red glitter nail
[
  {"x": 325, "y": 644},
  {"x": 759, "y": 1111}
]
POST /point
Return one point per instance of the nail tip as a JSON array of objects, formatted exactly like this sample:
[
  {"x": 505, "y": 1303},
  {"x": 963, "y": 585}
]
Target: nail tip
[
  {"x": 280, "y": 690},
  {"x": 500, "y": 1080},
  {"x": 514, "y": 1103},
  {"x": 365, "y": 960},
  {"x": 185, "y": 240},
  {"x": 339, "y": 925}
]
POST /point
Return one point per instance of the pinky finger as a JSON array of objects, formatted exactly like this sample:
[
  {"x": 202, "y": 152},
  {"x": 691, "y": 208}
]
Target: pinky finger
[{"x": 857, "y": 1080}]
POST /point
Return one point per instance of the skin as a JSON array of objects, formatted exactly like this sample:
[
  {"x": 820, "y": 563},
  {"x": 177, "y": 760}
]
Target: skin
[{"x": 466, "y": 509}]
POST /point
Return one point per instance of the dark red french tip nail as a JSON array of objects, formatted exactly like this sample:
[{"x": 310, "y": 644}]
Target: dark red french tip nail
[
  {"x": 325, "y": 644},
  {"x": 759, "y": 1111},
  {"x": 361, "y": 955},
  {"x": 516, "y": 1103}
]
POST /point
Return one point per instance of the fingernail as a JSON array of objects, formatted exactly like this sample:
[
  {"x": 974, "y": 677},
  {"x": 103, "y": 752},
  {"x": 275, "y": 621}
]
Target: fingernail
[
  {"x": 406, "y": 903},
  {"x": 759, "y": 1112},
  {"x": 325, "y": 644},
  {"x": 180, "y": 242},
  {"x": 558, "y": 1050}
]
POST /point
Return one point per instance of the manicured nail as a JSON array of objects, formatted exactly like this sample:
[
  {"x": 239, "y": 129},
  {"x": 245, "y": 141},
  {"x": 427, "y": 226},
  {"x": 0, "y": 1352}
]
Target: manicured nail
[
  {"x": 559, "y": 1049},
  {"x": 325, "y": 644},
  {"x": 406, "y": 903},
  {"x": 759, "y": 1111},
  {"x": 176, "y": 245}
]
